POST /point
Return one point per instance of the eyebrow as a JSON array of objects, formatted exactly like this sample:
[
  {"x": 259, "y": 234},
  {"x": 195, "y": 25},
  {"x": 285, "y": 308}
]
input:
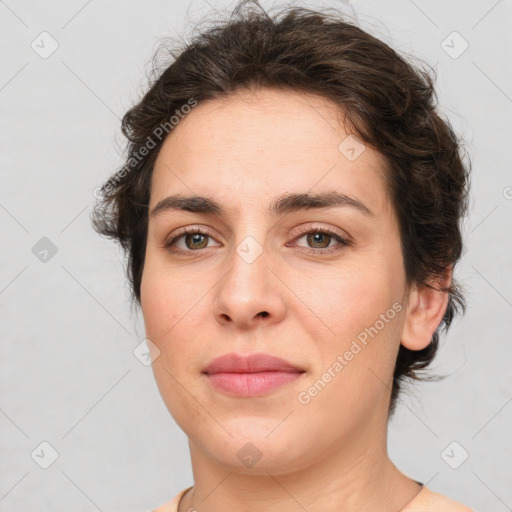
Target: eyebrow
[{"x": 283, "y": 204}]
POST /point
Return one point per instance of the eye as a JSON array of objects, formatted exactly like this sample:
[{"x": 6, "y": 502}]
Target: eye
[
  {"x": 319, "y": 240},
  {"x": 194, "y": 239}
]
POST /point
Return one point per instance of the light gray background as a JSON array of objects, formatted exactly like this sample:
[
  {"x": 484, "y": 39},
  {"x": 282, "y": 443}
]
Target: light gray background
[{"x": 68, "y": 373}]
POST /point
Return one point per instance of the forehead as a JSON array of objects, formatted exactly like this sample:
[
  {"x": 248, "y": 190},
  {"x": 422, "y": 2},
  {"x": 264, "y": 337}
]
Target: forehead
[{"x": 248, "y": 145}]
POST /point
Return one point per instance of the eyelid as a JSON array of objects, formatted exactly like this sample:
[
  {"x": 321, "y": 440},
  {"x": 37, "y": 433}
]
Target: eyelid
[
  {"x": 323, "y": 229},
  {"x": 197, "y": 229},
  {"x": 343, "y": 240}
]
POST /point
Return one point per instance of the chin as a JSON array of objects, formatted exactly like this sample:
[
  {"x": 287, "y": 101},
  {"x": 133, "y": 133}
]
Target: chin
[{"x": 259, "y": 452}]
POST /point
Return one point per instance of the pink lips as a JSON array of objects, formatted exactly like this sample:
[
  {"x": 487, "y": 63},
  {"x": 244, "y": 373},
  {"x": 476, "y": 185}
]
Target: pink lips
[{"x": 252, "y": 375}]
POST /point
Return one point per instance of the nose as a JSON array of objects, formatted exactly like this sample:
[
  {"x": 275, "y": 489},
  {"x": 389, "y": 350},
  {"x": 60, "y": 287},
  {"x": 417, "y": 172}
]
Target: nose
[{"x": 249, "y": 293}]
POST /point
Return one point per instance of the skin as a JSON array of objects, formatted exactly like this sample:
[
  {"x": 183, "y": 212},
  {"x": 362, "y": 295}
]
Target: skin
[{"x": 243, "y": 151}]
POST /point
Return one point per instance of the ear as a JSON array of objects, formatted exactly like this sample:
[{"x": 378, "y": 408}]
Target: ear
[{"x": 424, "y": 312}]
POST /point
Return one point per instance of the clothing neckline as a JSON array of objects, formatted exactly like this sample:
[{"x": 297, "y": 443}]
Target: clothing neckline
[
  {"x": 422, "y": 488},
  {"x": 182, "y": 495}
]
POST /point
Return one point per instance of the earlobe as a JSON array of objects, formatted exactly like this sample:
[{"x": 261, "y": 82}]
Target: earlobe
[{"x": 425, "y": 310}]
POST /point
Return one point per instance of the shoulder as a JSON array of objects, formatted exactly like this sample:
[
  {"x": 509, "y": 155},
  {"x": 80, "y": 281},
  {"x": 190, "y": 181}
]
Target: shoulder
[
  {"x": 172, "y": 505},
  {"x": 430, "y": 501}
]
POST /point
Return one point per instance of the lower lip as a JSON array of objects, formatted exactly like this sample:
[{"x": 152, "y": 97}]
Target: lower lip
[{"x": 251, "y": 384}]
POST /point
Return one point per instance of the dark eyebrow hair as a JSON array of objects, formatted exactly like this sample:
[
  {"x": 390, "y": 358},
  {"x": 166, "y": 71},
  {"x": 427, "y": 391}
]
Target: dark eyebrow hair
[{"x": 281, "y": 205}]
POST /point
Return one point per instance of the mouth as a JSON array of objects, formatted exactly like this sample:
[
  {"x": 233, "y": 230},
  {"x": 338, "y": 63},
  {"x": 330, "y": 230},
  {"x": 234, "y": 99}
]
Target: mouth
[{"x": 251, "y": 375}]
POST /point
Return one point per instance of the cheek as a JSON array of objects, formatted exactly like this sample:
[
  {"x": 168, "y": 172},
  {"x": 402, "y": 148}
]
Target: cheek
[
  {"x": 174, "y": 309},
  {"x": 170, "y": 323},
  {"x": 355, "y": 370},
  {"x": 159, "y": 317},
  {"x": 167, "y": 303},
  {"x": 362, "y": 313},
  {"x": 349, "y": 299}
]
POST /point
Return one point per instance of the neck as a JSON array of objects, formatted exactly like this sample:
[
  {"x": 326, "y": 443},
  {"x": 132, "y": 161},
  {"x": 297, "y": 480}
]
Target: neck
[{"x": 357, "y": 474}]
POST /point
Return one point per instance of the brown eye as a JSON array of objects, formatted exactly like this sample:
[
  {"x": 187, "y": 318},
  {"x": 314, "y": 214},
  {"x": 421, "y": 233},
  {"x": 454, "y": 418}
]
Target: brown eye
[
  {"x": 189, "y": 241},
  {"x": 196, "y": 241},
  {"x": 319, "y": 239}
]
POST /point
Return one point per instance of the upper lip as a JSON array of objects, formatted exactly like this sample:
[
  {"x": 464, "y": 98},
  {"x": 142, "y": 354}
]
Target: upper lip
[{"x": 251, "y": 363}]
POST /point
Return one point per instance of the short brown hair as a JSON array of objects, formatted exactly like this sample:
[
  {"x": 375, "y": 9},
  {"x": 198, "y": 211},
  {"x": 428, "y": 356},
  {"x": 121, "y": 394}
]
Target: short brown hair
[{"x": 388, "y": 104}]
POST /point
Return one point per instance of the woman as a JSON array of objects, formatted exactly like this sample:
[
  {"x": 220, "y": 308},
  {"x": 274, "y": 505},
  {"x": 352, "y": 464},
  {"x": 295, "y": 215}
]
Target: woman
[{"x": 290, "y": 207}]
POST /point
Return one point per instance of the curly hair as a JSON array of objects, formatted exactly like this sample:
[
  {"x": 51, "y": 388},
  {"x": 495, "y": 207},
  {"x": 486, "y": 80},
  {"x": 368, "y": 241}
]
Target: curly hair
[{"x": 389, "y": 103}]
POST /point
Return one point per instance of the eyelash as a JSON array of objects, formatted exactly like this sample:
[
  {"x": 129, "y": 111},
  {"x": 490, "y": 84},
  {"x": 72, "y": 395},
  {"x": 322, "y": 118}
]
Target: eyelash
[{"x": 307, "y": 230}]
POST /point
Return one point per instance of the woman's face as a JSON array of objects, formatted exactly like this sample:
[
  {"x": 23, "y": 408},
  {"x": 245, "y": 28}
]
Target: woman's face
[{"x": 269, "y": 280}]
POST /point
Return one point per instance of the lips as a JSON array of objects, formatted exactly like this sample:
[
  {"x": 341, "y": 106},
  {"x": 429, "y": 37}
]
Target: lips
[
  {"x": 248, "y": 376},
  {"x": 252, "y": 363}
]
